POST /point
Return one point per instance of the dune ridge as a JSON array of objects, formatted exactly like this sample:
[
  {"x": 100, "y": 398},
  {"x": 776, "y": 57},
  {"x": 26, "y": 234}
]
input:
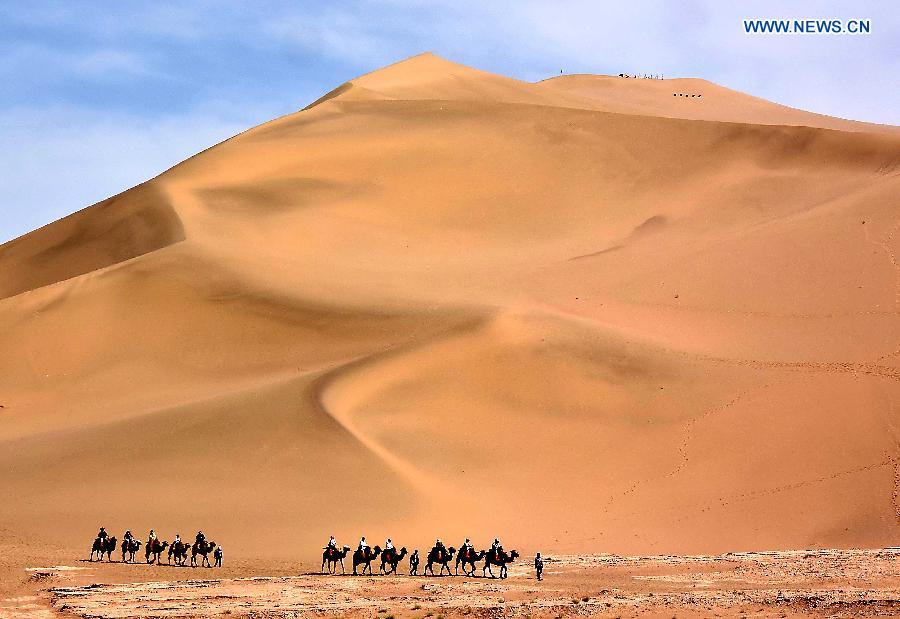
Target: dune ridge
[{"x": 581, "y": 313}]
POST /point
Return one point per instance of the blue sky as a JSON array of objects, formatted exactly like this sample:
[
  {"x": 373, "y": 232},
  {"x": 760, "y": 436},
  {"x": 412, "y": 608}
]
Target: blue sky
[{"x": 96, "y": 97}]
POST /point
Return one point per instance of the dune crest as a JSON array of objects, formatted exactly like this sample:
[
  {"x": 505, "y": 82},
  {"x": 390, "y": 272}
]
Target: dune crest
[{"x": 583, "y": 313}]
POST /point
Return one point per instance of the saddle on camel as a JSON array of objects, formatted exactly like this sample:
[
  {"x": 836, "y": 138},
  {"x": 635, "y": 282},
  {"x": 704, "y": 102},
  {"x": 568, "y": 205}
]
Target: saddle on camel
[
  {"x": 153, "y": 550},
  {"x": 391, "y": 558},
  {"x": 129, "y": 549},
  {"x": 103, "y": 546},
  {"x": 467, "y": 557},
  {"x": 440, "y": 556},
  {"x": 500, "y": 558},
  {"x": 332, "y": 556},
  {"x": 179, "y": 552},
  {"x": 365, "y": 556}
]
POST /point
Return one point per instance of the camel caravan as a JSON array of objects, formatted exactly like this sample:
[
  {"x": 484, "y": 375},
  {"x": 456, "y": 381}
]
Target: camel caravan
[
  {"x": 439, "y": 556},
  {"x": 177, "y": 554}
]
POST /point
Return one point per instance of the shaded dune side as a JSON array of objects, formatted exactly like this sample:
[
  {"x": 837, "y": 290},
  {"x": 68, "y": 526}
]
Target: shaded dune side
[{"x": 125, "y": 226}]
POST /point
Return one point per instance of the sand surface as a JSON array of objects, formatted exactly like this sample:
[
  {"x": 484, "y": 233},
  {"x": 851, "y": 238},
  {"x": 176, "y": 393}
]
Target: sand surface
[
  {"x": 583, "y": 314},
  {"x": 825, "y": 583}
]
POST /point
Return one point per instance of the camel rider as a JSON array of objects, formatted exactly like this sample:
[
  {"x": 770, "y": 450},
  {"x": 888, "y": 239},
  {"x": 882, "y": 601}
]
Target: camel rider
[
  {"x": 128, "y": 537},
  {"x": 102, "y": 535},
  {"x": 201, "y": 539},
  {"x": 465, "y": 548},
  {"x": 439, "y": 547},
  {"x": 496, "y": 547},
  {"x": 363, "y": 546},
  {"x": 177, "y": 539},
  {"x": 388, "y": 545},
  {"x": 332, "y": 543},
  {"x": 151, "y": 540}
]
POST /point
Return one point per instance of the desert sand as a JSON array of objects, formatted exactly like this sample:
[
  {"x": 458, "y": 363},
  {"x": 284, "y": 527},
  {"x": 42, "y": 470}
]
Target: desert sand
[{"x": 583, "y": 314}]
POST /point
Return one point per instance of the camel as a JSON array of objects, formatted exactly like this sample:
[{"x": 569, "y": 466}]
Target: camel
[
  {"x": 154, "y": 553},
  {"x": 500, "y": 559},
  {"x": 130, "y": 549},
  {"x": 370, "y": 555},
  {"x": 468, "y": 557},
  {"x": 392, "y": 558},
  {"x": 442, "y": 557},
  {"x": 204, "y": 550},
  {"x": 178, "y": 551},
  {"x": 103, "y": 547},
  {"x": 333, "y": 556}
]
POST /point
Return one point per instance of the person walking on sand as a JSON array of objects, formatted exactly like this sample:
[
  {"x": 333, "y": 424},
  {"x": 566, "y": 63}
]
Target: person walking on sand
[
  {"x": 217, "y": 554},
  {"x": 539, "y": 566},
  {"x": 414, "y": 563}
]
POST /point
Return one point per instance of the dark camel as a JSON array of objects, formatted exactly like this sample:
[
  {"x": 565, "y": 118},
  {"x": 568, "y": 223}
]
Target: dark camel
[
  {"x": 179, "y": 551},
  {"x": 392, "y": 558},
  {"x": 333, "y": 556},
  {"x": 204, "y": 550},
  {"x": 468, "y": 556},
  {"x": 370, "y": 555},
  {"x": 131, "y": 549},
  {"x": 103, "y": 547},
  {"x": 441, "y": 557},
  {"x": 154, "y": 553},
  {"x": 500, "y": 558}
]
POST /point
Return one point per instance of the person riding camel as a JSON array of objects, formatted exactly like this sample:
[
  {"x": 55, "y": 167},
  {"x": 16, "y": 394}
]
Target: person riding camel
[
  {"x": 200, "y": 539},
  {"x": 102, "y": 534},
  {"x": 128, "y": 537},
  {"x": 363, "y": 546},
  {"x": 439, "y": 549},
  {"x": 496, "y": 547},
  {"x": 388, "y": 545},
  {"x": 332, "y": 543},
  {"x": 151, "y": 540},
  {"x": 465, "y": 548},
  {"x": 177, "y": 539}
]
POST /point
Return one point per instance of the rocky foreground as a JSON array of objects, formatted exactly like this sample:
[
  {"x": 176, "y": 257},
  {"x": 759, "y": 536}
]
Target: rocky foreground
[{"x": 827, "y": 583}]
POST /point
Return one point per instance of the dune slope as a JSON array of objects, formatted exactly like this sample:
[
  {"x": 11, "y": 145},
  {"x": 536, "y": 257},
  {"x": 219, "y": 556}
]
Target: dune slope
[{"x": 582, "y": 314}]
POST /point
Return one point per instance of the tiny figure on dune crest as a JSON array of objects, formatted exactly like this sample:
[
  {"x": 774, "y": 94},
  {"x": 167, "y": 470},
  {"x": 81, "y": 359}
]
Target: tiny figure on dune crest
[
  {"x": 218, "y": 556},
  {"x": 414, "y": 563},
  {"x": 539, "y": 566}
]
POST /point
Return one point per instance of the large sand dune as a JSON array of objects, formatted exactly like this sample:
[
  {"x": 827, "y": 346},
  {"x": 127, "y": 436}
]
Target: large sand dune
[{"x": 584, "y": 314}]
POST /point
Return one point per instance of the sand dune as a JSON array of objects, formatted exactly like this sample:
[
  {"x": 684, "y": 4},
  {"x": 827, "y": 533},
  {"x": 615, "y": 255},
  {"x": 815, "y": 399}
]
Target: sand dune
[{"x": 582, "y": 313}]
